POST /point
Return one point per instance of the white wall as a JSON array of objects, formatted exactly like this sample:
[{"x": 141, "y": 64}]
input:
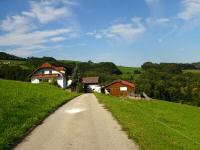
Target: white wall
[
  {"x": 69, "y": 82},
  {"x": 35, "y": 80},
  {"x": 46, "y": 71},
  {"x": 95, "y": 88},
  {"x": 61, "y": 81},
  {"x": 55, "y": 72}
]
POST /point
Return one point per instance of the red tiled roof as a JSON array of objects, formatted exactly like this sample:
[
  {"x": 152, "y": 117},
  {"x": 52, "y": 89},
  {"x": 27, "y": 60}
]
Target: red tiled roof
[
  {"x": 47, "y": 65},
  {"x": 90, "y": 80},
  {"x": 127, "y": 83},
  {"x": 59, "y": 68},
  {"x": 123, "y": 82}
]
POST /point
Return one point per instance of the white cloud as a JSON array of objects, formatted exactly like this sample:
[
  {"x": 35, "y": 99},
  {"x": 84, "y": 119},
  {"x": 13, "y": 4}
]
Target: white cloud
[
  {"x": 23, "y": 33},
  {"x": 46, "y": 12},
  {"x": 152, "y": 1},
  {"x": 32, "y": 38},
  {"x": 152, "y": 4},
  {"x": 163, "y": 20},
  {"x": 21, "y": 52},
  {"x": 57, "y": 39},
  {"x": 191, "y": 9},
  {"x": 15, "y": 24},
  {"x": 30, "y": 50},
  {"x": 158, "y": 21},
  {"x": 127, "y": 32}
]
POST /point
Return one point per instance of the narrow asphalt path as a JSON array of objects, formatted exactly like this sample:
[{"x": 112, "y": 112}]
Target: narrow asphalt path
[{"x": 81, "y": 124}]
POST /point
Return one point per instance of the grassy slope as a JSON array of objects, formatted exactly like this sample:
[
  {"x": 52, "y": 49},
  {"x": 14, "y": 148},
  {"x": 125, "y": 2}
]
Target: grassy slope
[
  {"x": 23, "y": 64},
  {"x": 128, "y": 71},
  {"x": 194, "y": 71},
  {"x": 23, "y": 105},
  {"x": 157, "y": 125}
]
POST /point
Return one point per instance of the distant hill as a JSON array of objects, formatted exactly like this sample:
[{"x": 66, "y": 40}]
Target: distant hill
[
  {"x": 197, "y": 65},
  {"x": 6, "y": 56},
  {"x": 107, "y": 71}
]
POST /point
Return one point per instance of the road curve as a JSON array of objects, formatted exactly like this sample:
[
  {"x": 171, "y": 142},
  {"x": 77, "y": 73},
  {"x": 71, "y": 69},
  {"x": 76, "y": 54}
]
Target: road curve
[{"x": 81, "y": 124}]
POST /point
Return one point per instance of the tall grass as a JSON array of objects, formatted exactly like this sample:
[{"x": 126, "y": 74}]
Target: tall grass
[{"x": 23, "y": 105}]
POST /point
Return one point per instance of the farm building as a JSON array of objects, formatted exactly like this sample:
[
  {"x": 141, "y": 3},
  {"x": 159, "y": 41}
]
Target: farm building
[
  {"x": 120, "y": 88},
  {"x": 48, "y": 73},
  {"x": 91, "y": 84}
]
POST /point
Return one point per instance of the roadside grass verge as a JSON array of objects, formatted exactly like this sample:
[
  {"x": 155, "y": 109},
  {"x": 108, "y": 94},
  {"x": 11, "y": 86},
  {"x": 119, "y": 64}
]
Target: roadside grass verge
[
  {"x": 156, "y": 125},
  {"x": 24, "y": 105}
]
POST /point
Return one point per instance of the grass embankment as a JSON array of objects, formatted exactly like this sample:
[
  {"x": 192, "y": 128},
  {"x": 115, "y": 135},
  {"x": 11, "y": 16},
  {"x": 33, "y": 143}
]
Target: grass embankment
[
  {"x": 157, "y": 125},
  {"x": 23, "y": 105}
]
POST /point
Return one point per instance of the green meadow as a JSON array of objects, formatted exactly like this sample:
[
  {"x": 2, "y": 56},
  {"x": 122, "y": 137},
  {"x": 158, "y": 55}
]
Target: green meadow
[
  {"x": 130, "y": 72},
  {"x": 194, "y": 71},
  {"x": 24, "y": 105},
  {"x": 156, "y": 124}
]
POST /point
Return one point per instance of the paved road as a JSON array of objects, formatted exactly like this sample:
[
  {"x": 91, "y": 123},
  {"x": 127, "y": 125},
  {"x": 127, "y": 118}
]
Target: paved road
[{"x": 81, "y": 124}]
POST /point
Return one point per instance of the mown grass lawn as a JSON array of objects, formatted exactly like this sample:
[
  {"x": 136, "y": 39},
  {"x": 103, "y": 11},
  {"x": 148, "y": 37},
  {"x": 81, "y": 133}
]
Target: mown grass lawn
[
  {"x": 23, "y": 105},
  {"x": 157, "y": 125}
]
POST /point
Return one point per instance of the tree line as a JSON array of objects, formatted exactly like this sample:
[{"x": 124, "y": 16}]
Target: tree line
[{"x": 107, "y": 71}]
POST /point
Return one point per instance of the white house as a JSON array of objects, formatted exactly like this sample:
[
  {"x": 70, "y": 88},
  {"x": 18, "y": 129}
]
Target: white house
[
  {"x": 91, "y": 84},
  {"x": 48, "y": 72}
]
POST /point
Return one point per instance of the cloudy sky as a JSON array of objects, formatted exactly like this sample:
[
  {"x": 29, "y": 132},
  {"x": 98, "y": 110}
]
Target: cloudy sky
[{"x": 127, "y": 32}]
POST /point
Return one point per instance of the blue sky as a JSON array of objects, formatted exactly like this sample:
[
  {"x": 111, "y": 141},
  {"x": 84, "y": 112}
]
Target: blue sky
[{"x": 127, "y": 32}]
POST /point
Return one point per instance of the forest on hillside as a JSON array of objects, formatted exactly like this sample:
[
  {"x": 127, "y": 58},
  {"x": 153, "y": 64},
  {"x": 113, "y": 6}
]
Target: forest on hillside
[{"x": 167, "y": 81}]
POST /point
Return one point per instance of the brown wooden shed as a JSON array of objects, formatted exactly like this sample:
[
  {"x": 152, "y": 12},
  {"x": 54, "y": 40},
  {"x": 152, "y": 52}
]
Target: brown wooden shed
[{"x": 120, "y": 88}]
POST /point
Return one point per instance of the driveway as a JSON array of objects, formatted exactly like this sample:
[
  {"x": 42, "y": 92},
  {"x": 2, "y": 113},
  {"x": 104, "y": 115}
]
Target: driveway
[{"x": 81, "y": 124}]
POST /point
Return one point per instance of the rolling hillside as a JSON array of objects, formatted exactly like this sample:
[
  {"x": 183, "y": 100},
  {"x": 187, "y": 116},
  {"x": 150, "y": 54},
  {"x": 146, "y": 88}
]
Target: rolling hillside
[
  {"x": 157, "y": 125},
  {"x": 130, "y": 73},
  {"x": 23, "y": 105},
  {"x": 193, "y": 71}
]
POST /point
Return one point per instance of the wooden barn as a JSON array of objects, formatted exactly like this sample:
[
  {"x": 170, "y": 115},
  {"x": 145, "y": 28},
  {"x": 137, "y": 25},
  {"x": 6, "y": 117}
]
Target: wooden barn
[
  {"x": 91, "y": 84},
  {"x": 120, "y": 88}
]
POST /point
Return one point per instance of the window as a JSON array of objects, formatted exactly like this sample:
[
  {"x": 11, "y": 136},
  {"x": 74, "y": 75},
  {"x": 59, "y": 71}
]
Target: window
[{"x": 50, "y": 71}]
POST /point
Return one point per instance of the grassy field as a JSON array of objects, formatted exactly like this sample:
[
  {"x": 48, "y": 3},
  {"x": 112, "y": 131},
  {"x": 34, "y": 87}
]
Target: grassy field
[
  {"x": 127, "y": 72},
  {"x": 157, "y": 125},
  {"x": 23, "y": 105},
  {"x": 21, "y": 63},
  {"x": 194, "y": 71}
]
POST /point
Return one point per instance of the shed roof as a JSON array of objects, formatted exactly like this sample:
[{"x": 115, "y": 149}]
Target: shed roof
[
  {"x": 123, "y": 82},
  {"x": 90, "y": 80}
]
